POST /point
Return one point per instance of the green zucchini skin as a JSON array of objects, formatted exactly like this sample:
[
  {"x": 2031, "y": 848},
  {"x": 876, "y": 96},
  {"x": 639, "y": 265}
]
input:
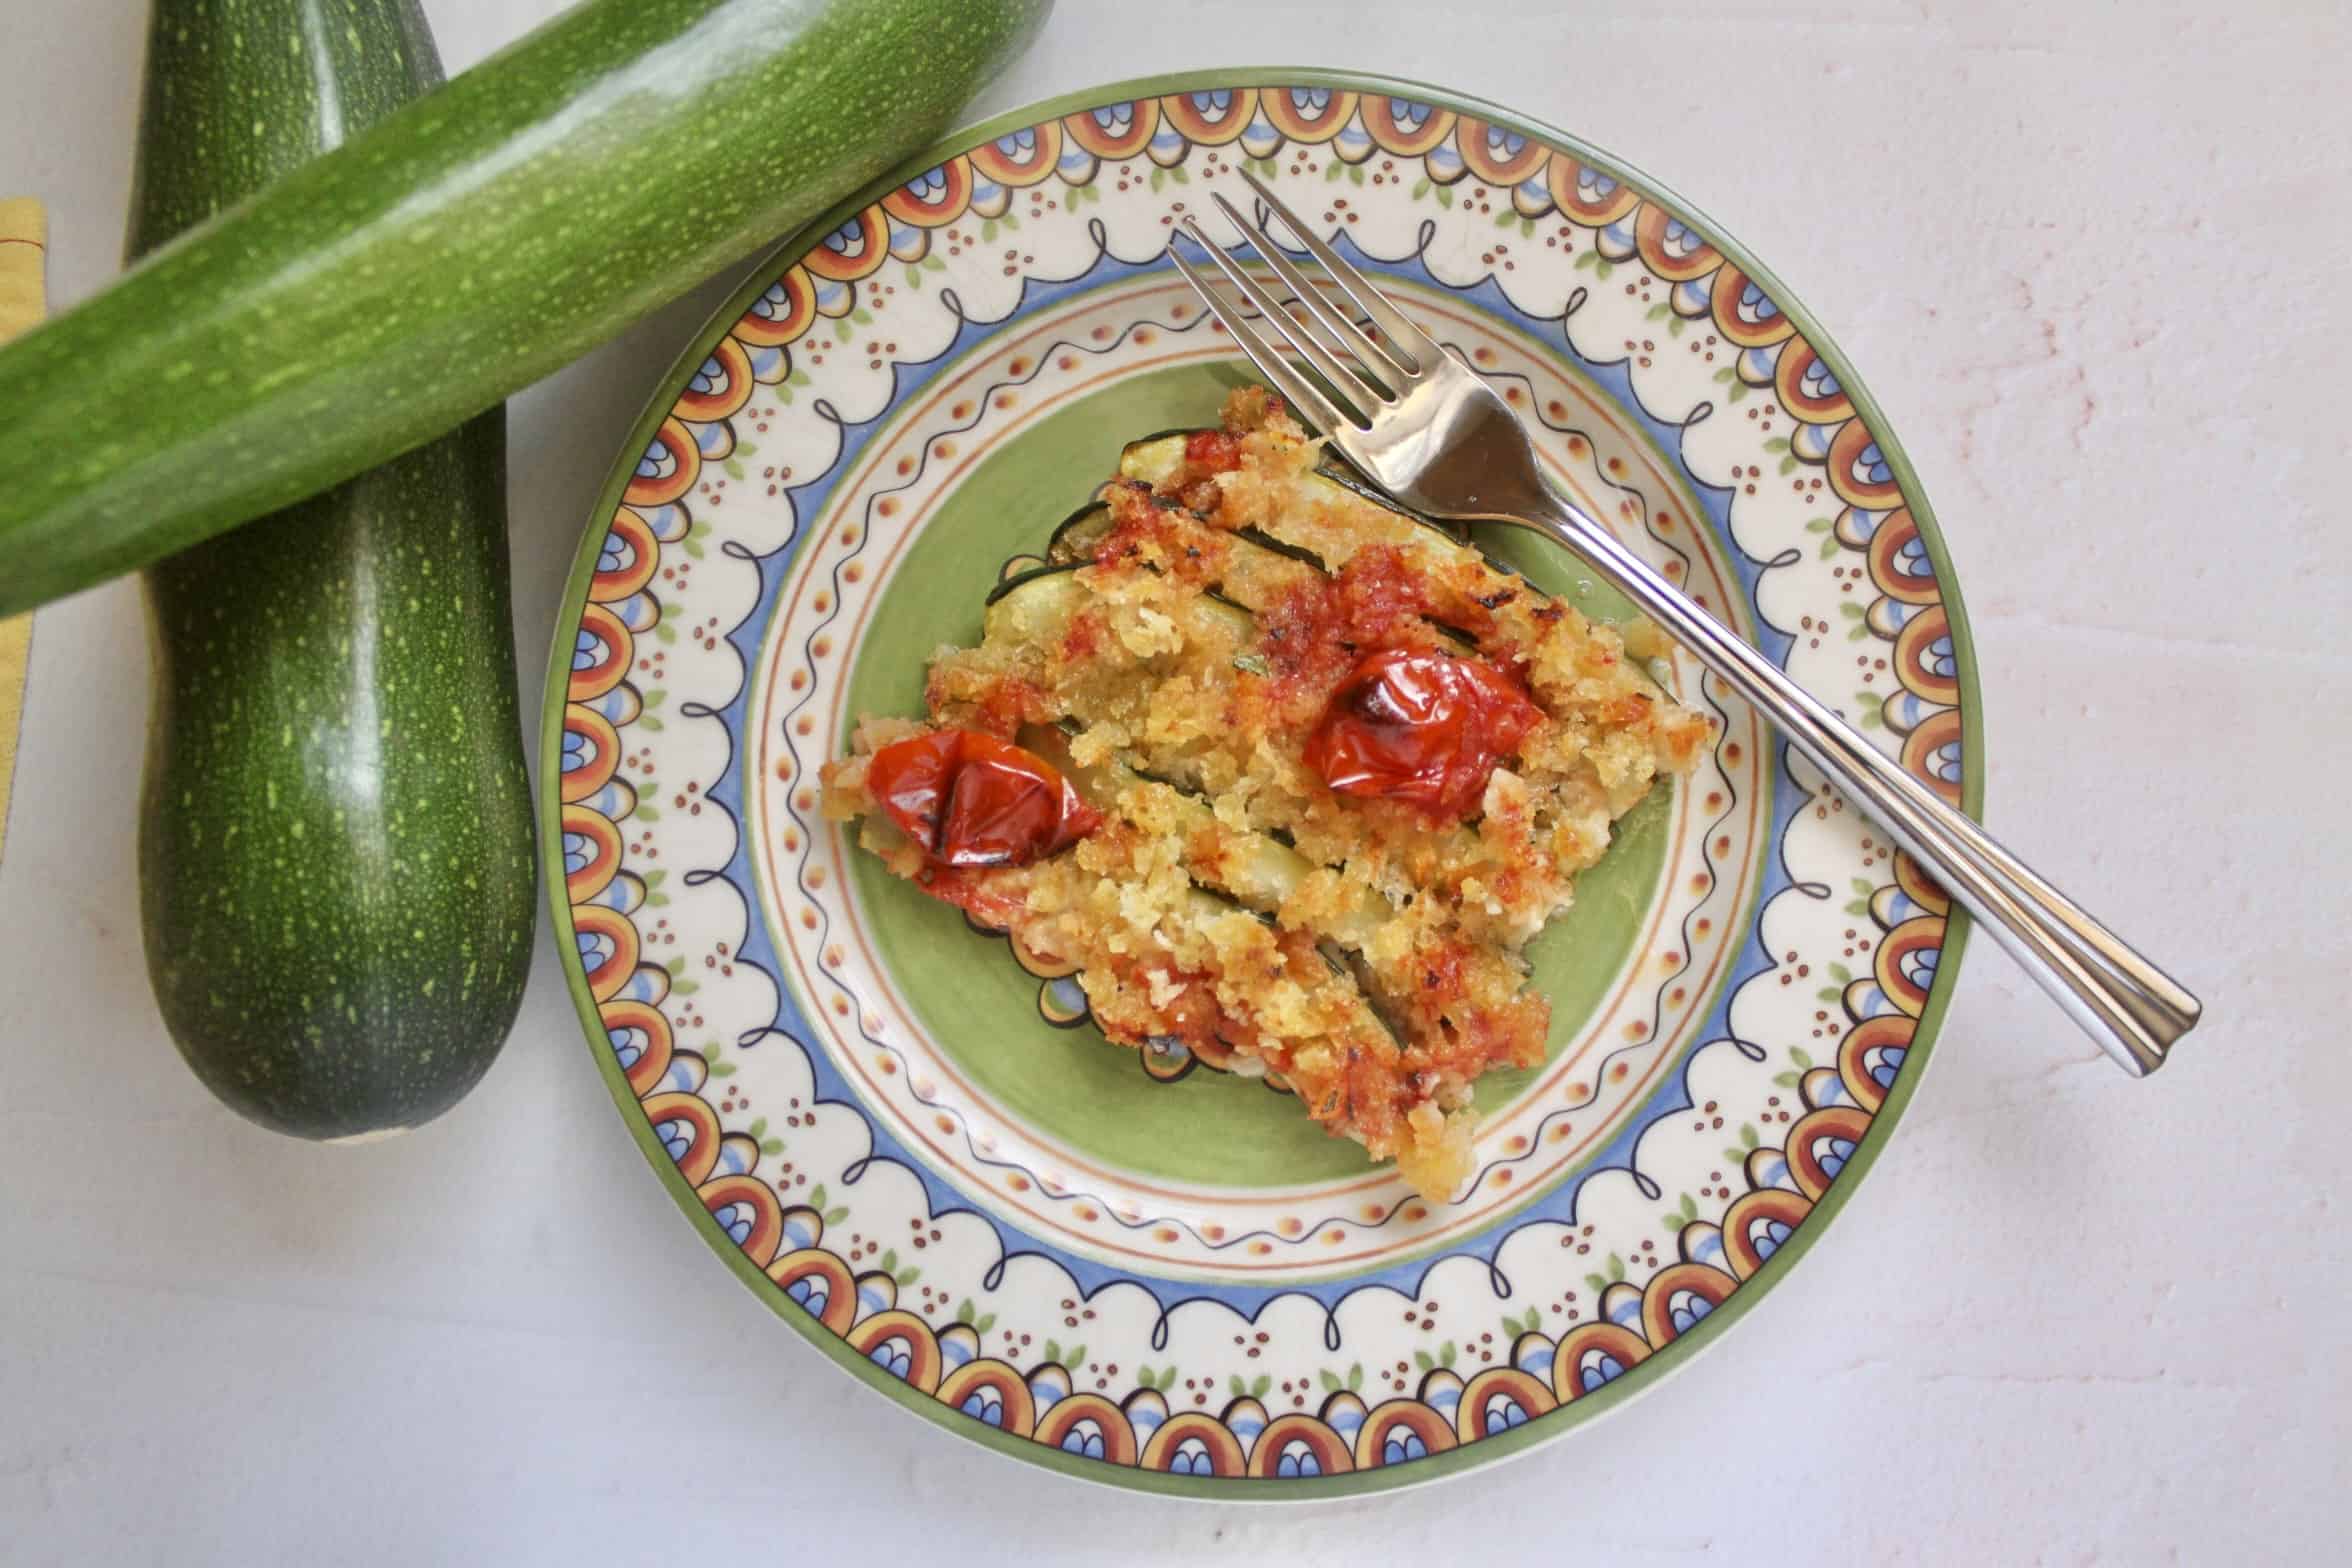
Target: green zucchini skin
[
  {"x": 242, "y": 92},
  {"x": 468, "y": 245},
  {"x": 335, "y": 836},
  {"x": 1021, "y": 580},
  {"x": 1074, "y": 538}
]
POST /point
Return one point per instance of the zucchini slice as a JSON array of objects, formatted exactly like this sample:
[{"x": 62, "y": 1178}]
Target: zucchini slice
[
  {"x": 1157, "y": 458},
  {"x": 1038, "y": 605},
  {"x": 1020, "y": 581},
  {"x": 1373, "y": 518},
  {"x": 1262, "y": 874},
  {"x": 1237, "y": 868},
  {"x": 1256, "y": 869},
  {"x": 1074, "y": 538}
]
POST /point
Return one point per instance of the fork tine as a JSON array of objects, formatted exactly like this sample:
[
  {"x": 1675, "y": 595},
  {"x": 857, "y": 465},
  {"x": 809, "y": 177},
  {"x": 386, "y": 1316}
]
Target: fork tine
[
  {"x": 1295, "y": 388},
  {"x": 1392, "y": 322},
  {"x": 1313, "y": 352},
  {"x": 1384, "y": 364}
]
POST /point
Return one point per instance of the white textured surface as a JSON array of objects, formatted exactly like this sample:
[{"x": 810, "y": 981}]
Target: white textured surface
[{"x": 2087, "y": 257}]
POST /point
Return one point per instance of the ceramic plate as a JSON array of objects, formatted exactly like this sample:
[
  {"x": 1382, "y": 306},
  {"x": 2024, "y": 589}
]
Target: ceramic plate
[{"x": 907, "y": 1137}]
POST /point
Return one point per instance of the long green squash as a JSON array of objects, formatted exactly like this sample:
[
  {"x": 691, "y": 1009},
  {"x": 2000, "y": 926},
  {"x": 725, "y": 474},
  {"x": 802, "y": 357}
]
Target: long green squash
[
  {"x": 335, "y": 834},
  {"x": 465, "y": 247}
]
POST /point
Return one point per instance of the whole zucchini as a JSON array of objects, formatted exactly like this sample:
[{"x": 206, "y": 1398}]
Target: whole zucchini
[
  {"x": 335, "y": 830},
  {"x": 467, "y": 246}
]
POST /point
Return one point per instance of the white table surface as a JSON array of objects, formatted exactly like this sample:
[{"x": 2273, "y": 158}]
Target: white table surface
[{"x": 2090, "y": 252}]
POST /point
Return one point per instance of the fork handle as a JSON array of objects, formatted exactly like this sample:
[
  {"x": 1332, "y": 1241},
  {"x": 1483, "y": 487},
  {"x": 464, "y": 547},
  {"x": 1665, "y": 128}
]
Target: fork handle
[{"x": 2132, "y": 1008}]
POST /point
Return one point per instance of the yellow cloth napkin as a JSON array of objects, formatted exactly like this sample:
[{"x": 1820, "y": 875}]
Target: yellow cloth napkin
[{"x": 23, "y": 248}]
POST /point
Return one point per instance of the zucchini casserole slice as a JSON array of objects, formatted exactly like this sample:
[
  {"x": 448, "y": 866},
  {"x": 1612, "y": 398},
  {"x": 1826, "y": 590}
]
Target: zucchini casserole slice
[{"x": 1291, "y": 776}]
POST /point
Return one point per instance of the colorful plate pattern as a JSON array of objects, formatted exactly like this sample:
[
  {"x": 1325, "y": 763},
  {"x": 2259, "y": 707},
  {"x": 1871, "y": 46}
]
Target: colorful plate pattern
[{"x": 904, "y": 1136}]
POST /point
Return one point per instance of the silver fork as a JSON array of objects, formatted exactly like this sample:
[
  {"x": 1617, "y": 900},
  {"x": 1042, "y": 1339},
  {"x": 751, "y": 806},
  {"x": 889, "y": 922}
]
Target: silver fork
[{"x": 1435, "y": 436}]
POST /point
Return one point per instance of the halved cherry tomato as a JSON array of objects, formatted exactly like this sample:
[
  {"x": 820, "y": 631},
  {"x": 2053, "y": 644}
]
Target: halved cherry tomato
[
  {"x": 969, "y": 799},
  {"x": 1420, "y": 727}
]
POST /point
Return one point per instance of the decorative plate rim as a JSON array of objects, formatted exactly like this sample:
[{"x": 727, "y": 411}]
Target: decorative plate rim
[{"x": 1491, "y": 1448}]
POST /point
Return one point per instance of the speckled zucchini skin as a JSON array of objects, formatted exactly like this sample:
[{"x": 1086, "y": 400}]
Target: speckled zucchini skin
[
  {"x": 464, "y": 248},
  {"x": 335, "y": 830}
]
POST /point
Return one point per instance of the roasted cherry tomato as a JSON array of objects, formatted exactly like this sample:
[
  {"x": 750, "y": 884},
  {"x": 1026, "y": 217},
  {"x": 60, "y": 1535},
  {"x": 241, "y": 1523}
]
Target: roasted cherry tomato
[
  {"x": 1420, "y": 727},
  {"x": 969, "y": 799},
  {"x": 1211, "y": 452}
]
